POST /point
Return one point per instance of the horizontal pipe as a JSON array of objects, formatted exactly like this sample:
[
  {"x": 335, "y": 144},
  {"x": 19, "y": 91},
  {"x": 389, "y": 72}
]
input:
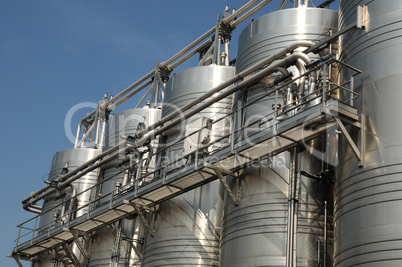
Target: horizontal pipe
[
  {"x": 258, "y": 76},
  {"x": 71, "y": 173},
  {"x": 229, "y": 82},
  {"x": 35, "y": 209},
  {"x": 34, "y": 197},
  {"x": 165, "y": 64},
  {"x": 234, "y": 24}
]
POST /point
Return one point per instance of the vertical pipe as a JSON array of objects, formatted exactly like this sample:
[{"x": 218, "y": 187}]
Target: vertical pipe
[
  {"x": 324, "y": 85},
  {"x": 298, "y": 3},
  {"x": 216, "y": 55},
  {"x": 291, "y": 209},
  {"x": 227, "y": 59},
  {"x": 77, "y": 137}
]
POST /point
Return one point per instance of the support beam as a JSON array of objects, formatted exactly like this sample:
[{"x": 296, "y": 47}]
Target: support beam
[
  {"x": 17, "y": 260},
  {"x": 235, "y": 199},
  {"x": 348, "y": 138},
  {"x": 80, "y": 246},
  {"x": 141, "y": 216},
  {"x": 71, "y": 255}
]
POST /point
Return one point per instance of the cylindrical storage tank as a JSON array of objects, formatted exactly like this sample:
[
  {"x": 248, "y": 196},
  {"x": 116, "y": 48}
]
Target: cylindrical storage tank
[
  {"x": 185, "y": 87},
  {"x": 187, "y": 226},
  {"x": 255, "y": 232},
  {"x": 125, "y": 123},
  {"x": 113, "y": 245},
  {"x": 368, "y": 204},
  {"x": 70, "y": 159},
  {"x": 268, "y": 34},
  {"x": 124, "y": 233}
]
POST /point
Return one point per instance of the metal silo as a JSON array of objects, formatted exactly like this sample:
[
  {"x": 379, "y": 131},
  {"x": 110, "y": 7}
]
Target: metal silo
[
  {"x": 113, "y": 245},
  {"x": 187, "y": 227},
  {"x": 257, "y": 232},
  {"x": 368, "y": 205},
  {"x": 54, "y": 212},
  {"x": 125, "y": 123}
]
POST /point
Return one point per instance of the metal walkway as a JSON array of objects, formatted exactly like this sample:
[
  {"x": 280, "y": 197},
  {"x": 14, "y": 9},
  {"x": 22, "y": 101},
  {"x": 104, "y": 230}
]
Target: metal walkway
[{"x": 272, "y": 140}]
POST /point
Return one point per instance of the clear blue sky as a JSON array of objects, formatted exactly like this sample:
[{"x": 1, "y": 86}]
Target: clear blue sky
[{"x": 55, "y": 54}]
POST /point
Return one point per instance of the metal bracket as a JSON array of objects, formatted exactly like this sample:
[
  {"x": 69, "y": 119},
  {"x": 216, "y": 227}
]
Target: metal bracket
[
  {"x": 141, "y": 216},
  {"x": 349, "y": 139},
  {"x": 219, "y": 171}
]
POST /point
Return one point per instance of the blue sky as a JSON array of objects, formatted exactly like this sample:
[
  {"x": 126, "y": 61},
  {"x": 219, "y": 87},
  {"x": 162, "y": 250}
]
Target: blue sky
[{"x": 55, "y": 54}]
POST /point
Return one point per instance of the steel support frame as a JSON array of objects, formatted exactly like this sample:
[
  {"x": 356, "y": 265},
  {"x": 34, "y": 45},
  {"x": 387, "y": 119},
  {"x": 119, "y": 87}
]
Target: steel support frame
[
  {"x": 17, "y": 260},
  {"x": 218, "y": 171},
  {"x": 149, "y": 228},
  {"x": 358, "y": 153},
  {"x": 79, "y": 244}
]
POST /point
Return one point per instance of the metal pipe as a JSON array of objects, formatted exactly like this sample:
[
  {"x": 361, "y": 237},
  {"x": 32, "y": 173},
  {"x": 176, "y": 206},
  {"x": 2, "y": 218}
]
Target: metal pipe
[
  {"x": 79, "y": 128},
  {"x": 237, "y": 77},
  {"x": 249, "y": 13},
  {"x": 71, "y": 173},
  {"x": 291, "y": 208},
  {"x": 302, "y": 80},
  {"x": 239, "y": 11},
  {"x": 165, "y": 64},
  {"x": 198, "y": 107},
  {"x": 88, "y": 132},
  {"x": 283, "y": 71},
  {"x": 192, "y": 53},
  {"x": 33, "y": 197},
  {"x": 216, "y": 55},
  {"x": 283, "y": 4},
  {"x": 33, "y": 209},
  {"x": 102, "y": 138},
  {"x": 227, "y": 51},
  {"x": 130, "y": 94},
  {"x": 144, "y": 97}
]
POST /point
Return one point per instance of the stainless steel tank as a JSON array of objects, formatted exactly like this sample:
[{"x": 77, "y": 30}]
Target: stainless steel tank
[
  {"x": 126, "y": 232},
  {"x": 113, "y": 245},
  {"x": 188, "y": 226},
  {"x": 255, "y": 232},
  {"x": 368, "y": 205},
  {"x": 72, "y": 158},
  {"x": 267, "y": 34},
  {"x": 124, "y": 123},
  {"x": 183, "y": 88},
  {"x": 54, "y": 213}
]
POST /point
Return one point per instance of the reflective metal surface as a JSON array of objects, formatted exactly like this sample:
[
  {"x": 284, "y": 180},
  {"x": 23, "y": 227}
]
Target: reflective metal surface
[
  {"x": 265, "y": 35},
  {"x": 188, "y": 226},
  {"x": 109, "y": 250},
  {"x": 125, "y": 231},
  {"x": 368, "y": 205},
  {"x": 74, "y": 158},
  {"x": 183, "y": 88},
  {"x": 124, "y": 123},
  {"x": 255, "y": 232},
  {"x": 53, "y": 213},
  {"x": 187, "y": 229}
]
